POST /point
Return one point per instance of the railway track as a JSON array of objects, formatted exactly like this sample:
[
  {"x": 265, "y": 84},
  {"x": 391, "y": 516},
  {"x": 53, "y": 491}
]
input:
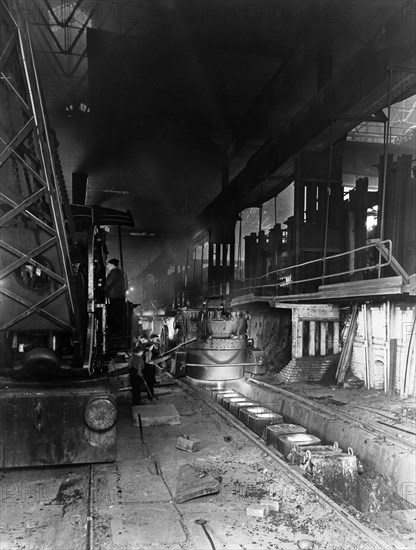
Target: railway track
[
  {"x": 402, "y": 444},
  {"x": 130, "y": 504},
  {"x": 371, "y": 538},
  {"x": 297, "y": 478}
]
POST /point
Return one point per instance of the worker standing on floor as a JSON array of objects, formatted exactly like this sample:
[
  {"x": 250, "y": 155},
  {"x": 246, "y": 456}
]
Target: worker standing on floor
[
  {"x": 136, "y": 367},
  {"x": 183, "y": 324},
  {"x": 241, "y": 329},
  {"x": 149, "y": 370},
  {"x": 115, "y": 291}
]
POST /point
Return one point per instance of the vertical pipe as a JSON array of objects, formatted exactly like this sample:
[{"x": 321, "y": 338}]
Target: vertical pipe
[
  {"x": 366, "y": 355},
  {"x": 259, "y": 270},
  {"x": 328, "y": 195},
  {"x": 239, "y": 266},
  {"x": 120, "y": 248},
  {"x": 201, "y": 278},
  {"x": 385, "y": 152},
  {"x": 275, "y": 210},
  {"x": 186, "y": 268},
  {"x": 299, "y": 200},
  {"x": 194, "y": 265}
]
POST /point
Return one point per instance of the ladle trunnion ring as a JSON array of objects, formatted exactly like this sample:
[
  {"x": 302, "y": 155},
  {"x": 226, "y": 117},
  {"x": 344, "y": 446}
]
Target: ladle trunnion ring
[{"x": 220, "y": 355}]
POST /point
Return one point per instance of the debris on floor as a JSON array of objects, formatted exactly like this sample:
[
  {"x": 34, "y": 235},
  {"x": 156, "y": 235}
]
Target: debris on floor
[
  {"x": 155, "y": 415},
  {"x": 186, "y": 443},
  {"x": 190, "y": 485},
  {"x": 273, "y": 505},
  {"x": 258, "y": 510},
  {"x": 306, "y": 544}
]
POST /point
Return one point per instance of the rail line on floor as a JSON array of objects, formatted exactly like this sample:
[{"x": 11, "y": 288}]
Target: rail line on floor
[
  {"x": 90, "y": 514},
  {"x": 93, "y": 475},
  {"x": 295, "y": 476},
  {"x": 345, "y": 416}
]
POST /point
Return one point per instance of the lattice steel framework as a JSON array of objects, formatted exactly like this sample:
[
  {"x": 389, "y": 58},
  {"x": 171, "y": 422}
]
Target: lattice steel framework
[{"x": 36, "y": 285}]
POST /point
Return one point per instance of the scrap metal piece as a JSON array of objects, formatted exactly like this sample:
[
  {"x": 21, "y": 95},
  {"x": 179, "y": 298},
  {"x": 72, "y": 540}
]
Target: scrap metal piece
[{"x": 190, "y": 485}]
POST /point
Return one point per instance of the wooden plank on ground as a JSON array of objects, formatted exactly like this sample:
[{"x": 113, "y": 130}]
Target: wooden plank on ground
[{"x": 346, "y": 352}]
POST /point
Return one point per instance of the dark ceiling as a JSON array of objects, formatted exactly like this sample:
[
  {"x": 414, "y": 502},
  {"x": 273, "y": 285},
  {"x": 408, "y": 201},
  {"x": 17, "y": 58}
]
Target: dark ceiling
[{"x": 187, "y": 97}]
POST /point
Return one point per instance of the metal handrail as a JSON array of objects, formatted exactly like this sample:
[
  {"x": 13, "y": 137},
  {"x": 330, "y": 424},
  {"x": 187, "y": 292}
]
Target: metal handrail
[{"x": 377, "y": 245}]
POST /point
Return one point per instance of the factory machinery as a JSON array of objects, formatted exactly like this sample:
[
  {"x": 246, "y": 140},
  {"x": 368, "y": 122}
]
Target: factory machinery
[
  {"x": 217, "y": 347},
  {"x": 208, "y": 343},
  {"x": 56, "y": 406}
]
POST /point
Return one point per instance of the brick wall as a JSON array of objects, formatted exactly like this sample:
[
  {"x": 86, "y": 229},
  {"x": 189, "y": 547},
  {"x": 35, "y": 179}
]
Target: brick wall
[{"x": 310, "y": 369}]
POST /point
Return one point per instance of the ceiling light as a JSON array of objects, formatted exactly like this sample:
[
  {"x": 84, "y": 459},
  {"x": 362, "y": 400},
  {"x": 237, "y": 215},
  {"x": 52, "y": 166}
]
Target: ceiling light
[
  {"x": 116, "y": 191},
  {"x": 143, "y": 234},
  {"x": 76, "y": 110}
]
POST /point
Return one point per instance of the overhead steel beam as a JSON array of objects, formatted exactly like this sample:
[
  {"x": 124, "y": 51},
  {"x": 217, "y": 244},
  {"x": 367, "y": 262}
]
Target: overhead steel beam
[
  {"x": 310, "y": 126},
  {"x": 377, "y": 117}
]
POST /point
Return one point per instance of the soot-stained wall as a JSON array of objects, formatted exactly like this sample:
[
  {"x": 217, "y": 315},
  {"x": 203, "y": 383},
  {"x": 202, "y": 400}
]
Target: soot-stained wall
[{"x": 271, "y": 331}]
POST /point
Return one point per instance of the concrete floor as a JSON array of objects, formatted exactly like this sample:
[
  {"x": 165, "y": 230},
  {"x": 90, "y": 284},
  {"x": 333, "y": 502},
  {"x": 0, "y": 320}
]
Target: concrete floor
[{"x": 132, "y": 500}]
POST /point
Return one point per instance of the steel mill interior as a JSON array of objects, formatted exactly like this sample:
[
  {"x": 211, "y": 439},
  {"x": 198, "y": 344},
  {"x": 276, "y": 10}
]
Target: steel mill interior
[{"x": 207, "y": 274}]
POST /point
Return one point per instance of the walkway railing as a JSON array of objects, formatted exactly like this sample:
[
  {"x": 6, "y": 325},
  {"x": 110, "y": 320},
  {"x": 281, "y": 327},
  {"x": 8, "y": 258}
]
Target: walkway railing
[{"x": 285, "y": 276}]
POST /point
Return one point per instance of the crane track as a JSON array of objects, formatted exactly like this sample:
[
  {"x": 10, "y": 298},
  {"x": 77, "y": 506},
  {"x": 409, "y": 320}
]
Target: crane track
[
  {"x": 296, "y": 477},
  {"x": 90, "y": 516},
  {"x": 405, "y": 445}
]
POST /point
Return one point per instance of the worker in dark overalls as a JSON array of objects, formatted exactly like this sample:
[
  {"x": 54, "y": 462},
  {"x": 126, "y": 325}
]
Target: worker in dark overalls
[
  {"x": 241, "y": 328},
  {"x": 149, "y": 370},
  {"x": 136, "y": 367},
  {"x": 183, "y": 325},
  {"x": 115, "y": 291}
]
